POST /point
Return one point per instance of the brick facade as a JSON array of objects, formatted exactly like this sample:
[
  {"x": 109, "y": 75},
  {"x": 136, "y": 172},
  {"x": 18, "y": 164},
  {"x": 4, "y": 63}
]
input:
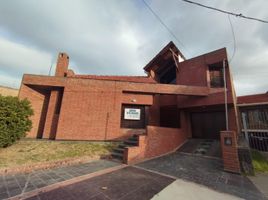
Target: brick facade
[{"x": 88, "y": 107}]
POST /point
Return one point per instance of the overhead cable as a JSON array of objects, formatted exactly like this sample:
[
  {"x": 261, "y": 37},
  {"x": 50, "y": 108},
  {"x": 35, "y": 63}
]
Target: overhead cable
[
  {"x": 226, "y": 12},
  {"x": 164, "y": 24}
]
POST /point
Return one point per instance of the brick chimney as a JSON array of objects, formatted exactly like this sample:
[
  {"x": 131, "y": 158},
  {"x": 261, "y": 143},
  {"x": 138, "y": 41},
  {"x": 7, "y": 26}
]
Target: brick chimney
[{"x": 62, "y": 65}]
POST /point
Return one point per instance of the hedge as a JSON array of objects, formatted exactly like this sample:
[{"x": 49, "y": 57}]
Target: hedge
[{"x": 14, "y": 119}]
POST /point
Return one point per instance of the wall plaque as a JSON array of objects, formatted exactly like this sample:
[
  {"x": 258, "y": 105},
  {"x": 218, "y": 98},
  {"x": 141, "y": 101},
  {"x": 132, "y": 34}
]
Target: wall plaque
[{"x": 132, "y": 114}]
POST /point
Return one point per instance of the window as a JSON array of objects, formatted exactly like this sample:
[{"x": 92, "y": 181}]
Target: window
[{"x": 216, "y": 76}]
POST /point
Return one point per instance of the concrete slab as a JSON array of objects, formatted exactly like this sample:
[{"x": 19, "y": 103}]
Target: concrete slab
[
  {"x": 181, "y": 189},
  {"x": 261, "y": 182}
]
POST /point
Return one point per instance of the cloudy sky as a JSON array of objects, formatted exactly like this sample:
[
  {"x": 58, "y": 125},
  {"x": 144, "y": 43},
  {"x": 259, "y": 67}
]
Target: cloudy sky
[{"x": 119, "y": 37}]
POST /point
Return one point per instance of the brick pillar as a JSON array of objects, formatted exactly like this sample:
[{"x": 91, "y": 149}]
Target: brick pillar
[
  {"x": 62, "y": 65},
  {"x": 48, "y": 130},
  {"x": 229, "y": 151}
]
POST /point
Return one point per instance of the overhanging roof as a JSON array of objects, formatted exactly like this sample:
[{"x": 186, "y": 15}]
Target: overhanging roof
[
  {"x": 142, "y": 88},
  {"x": 160, "y": 56}
]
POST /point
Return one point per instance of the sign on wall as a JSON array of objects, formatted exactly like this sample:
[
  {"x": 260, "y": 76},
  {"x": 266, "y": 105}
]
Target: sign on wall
[{"x": 132, "y": 114}]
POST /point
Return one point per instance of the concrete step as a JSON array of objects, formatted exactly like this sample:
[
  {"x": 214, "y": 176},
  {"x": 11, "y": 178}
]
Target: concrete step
[
  {"x": 119, "y": 150},
  {"x": 117, "y": 155},
  {"x": 133, "y": 138},
  {"x": 131, "y": 143},
  {"x": 122, "y": 146}
]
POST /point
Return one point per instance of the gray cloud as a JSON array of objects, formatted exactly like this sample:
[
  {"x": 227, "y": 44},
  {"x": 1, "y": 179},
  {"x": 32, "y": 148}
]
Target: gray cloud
[{"x": 120, "y": 37}]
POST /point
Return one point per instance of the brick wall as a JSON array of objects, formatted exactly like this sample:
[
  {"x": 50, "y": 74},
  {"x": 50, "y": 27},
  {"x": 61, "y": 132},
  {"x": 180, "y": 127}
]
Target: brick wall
[
  {"x": 230, "y": 151},
  {"x": 157, "y": 141},
  {"x": 91, "y": 110},
  {"x": 37, "y": 101}
]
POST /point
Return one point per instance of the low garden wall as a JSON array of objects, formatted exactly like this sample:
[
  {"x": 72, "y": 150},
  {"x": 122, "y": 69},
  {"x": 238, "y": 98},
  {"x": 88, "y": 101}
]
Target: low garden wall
[{"x": 157, "y": 141}]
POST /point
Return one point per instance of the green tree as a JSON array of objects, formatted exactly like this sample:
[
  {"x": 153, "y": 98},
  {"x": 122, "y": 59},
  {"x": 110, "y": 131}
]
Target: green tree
[{"x": 14, "y": 119}]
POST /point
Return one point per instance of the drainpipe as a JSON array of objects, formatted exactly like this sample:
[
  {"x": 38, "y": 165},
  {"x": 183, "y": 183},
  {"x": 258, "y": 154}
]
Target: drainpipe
[{"x": 225, "y": 95}]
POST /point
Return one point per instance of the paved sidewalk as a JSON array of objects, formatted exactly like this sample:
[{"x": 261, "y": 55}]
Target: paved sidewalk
[
  {"x": 12, "y": 185},
  {"x": 128, "y": 183},
  {"x": 204, "y": 171},
  {"x": 180, "y": 189},
  {"x": 261, "y": 182}
]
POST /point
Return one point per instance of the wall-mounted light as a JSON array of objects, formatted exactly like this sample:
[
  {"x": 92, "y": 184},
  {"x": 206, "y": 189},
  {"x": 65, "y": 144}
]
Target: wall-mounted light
[{"x": 133, "y": 100}]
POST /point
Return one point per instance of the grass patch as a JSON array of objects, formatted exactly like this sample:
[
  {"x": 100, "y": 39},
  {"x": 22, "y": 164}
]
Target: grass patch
[
  {"x": 260, "y": 163},
  {"x": 27, "y": 152}
]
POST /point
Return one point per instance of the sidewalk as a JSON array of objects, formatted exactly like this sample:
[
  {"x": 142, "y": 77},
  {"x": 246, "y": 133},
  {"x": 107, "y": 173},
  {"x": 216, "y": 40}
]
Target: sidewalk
[
  {"x": 12, "y": 185},
  {"x": 125, "y": 183},
  {"x": 261, "y": 182},
  {"x": 181, "y": 189}
]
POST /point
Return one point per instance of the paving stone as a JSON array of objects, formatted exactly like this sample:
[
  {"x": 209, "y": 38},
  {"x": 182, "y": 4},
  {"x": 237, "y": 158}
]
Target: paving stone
[
  {"x": 58, "y": 194},
  {"x": 14, "y": 192},
  {"x": 2, "y": 188},
  {"x": 13, "y": 186},
  {"x": 4, "y": 195},
  {"x": 42, "y": 178},
  {"x": 40, "y": 185},
  {"x": 205, "y": 171},
  {"x": 127, "y": 183}
]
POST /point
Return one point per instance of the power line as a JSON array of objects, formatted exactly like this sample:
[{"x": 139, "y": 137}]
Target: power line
[
  {"x": 226, "y": 12},
  {"x": 232, "y": 28},
  {"x": 163, "y": 23}
]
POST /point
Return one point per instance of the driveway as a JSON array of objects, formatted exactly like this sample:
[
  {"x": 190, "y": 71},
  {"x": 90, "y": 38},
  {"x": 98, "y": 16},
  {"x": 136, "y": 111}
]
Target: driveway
[{"x": 204, "y": 171}]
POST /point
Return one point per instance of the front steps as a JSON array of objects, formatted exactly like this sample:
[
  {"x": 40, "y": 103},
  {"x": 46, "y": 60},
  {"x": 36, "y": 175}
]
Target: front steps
[
  {"x": 118, "y": 152},
  {"x": 202, "y": 147}
]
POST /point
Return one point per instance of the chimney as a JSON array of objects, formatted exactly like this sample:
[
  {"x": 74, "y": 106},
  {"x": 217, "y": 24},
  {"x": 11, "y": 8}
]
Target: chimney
[{"x": 62, "y": 65}]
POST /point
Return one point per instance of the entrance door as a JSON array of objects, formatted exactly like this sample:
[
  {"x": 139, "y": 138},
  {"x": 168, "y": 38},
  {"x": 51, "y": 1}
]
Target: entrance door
[{"x": 207, "y": 125}]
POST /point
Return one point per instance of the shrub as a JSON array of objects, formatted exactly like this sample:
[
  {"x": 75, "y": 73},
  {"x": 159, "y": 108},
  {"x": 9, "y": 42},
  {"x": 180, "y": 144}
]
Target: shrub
[{"x": 14, "y": 119}]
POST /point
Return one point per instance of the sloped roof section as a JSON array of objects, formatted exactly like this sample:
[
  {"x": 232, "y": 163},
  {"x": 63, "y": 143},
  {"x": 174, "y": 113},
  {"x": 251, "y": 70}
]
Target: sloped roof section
[{"x": 162, "y": 53}]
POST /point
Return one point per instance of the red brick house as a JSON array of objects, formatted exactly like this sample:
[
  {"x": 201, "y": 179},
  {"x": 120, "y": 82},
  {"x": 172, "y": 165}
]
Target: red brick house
[{"x": 177, "y": 99}]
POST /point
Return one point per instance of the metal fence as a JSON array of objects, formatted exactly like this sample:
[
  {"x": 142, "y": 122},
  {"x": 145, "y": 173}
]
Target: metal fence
[
  {"x": 257, "y": 140},
  {"x": 255, "y": 128}
]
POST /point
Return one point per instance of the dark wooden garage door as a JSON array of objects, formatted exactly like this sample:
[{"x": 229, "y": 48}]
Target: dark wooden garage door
[{"x": 207, "y": 125}]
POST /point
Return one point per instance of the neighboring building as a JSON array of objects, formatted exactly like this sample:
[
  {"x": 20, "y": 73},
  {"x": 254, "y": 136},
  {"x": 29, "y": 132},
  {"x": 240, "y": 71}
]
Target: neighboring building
[
  {"x": 7, "y": 91},
  {"x": 177, "y": 99},
  {"x": 254, "y": 119}
]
